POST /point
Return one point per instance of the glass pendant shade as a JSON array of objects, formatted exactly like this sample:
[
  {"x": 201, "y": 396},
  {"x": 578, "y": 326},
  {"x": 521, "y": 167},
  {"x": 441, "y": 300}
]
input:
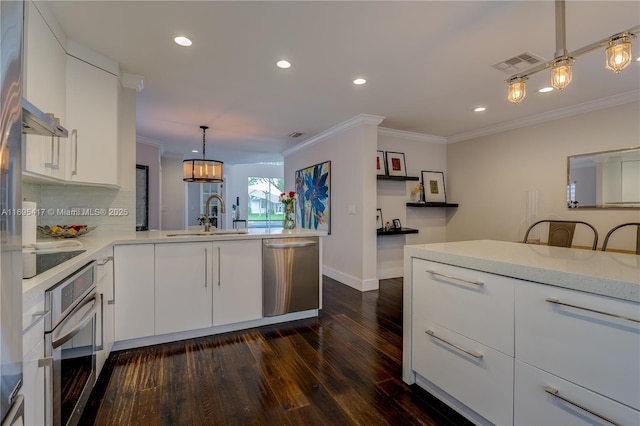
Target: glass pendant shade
[
  {"x": 561, "y": 73},
  {"x": 517, "y": 90},
  {"x": 618, "y": 55},
  {"x": 202, "y": 170}
]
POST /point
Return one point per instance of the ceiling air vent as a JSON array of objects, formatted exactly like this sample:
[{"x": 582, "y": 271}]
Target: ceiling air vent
[
  {"x": 295, "y": 134},
  {"x": 518, "y": 63}
]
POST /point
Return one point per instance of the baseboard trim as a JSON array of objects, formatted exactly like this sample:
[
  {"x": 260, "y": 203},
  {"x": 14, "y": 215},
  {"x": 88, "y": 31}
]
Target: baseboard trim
[{"x": 351, "y": 281}]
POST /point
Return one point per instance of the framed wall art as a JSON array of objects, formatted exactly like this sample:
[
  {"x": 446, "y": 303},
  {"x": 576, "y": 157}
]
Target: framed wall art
[
  {"x": 313, "y": 190},
  {"x": 381, "y": 165},
  {"x": 395, "y": 164},
  {"x": 433, "y": 187}
]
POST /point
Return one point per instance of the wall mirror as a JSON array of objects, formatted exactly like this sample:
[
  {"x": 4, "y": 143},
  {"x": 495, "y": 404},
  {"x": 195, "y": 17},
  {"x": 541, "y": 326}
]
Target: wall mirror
[{"x": 607, "y": 179}]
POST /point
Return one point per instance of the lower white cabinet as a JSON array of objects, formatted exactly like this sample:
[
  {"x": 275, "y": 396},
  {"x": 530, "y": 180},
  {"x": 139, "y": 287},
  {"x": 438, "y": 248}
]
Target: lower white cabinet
[
  {"x": 106, "y": 325},
  {"x": 581, "y": 337},
  {"x": 544, "y": 399},
  {"x": 174, "y": 287},
  {"x": 134, "y": 291},
  {"x": 509, "y": 351},
  {"x": 237, "y": 289},
  {"x": 183, "y": 287},
  {"x": 34, "y": 387}
]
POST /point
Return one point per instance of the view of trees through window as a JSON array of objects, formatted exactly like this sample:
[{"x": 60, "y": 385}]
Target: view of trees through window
[{"x": 265, "y": 209}]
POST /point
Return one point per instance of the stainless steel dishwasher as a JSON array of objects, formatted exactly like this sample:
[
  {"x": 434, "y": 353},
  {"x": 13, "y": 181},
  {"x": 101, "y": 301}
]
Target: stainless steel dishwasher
[{"x": 290, "y": 275}]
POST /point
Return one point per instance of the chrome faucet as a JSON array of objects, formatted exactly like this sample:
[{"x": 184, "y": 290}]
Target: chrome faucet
[{"x": 206, "y": 210}]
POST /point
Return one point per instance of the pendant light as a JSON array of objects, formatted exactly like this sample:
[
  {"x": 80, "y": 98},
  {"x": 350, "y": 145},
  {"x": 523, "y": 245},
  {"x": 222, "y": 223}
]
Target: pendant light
[
  {"x": 618, "y": 57},
  {"x": 203, "y": 170},
  {"x": 618, "y": 54}
]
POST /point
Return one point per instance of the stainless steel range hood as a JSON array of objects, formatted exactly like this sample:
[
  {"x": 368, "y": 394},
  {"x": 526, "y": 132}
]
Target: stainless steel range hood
[{"x": 37, "y": 122}]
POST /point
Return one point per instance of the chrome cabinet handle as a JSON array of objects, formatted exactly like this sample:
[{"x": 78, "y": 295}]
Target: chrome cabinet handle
[
  {"x": 478, "y": 283},
  {"x": 47, "y": 363},
  {"x": 74, "y": 136},
  {"x": 298, "y": 244},
  {"x": 460, "y": 348},
  {"x": 206, "y": 266},
  {"x": 57, "y": 167},
  {"x": 49, "y": 165},
  {"x": 113, "y": 280},
  {"x": 219, "y": 266},
  {"x": 36, "y": 316},
  {"x": 556, "y": 394},
  {"x": 558, "y": 302}
]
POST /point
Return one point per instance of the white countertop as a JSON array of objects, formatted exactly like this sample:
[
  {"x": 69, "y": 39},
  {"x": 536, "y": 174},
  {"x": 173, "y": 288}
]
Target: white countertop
[
  {"x": 95, "y": 242},
  {"x": 606, "y": 273}
]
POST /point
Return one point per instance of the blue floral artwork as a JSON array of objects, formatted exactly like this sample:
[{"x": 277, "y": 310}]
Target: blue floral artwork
[{"x": 313, "y": 189}]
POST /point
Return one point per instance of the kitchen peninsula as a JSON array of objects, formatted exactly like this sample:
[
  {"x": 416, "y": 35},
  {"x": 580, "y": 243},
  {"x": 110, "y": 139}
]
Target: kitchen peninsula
[{"x": 511, "y": 333}]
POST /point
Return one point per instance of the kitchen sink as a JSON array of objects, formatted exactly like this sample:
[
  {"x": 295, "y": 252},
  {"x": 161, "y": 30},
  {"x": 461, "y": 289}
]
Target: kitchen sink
[{"x": 210, "y": 233}]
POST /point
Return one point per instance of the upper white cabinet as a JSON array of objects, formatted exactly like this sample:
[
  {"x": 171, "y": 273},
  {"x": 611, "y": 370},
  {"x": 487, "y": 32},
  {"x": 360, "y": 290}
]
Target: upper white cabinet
[
  {"x": 44, "y": 86},
  {"x": 183, "y": 286},
  {"x": 92, "y": 121}
]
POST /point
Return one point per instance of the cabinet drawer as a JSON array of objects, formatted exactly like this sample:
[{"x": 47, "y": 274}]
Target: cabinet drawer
[
  {"x": 483, "y": 384},
  {"x": 475, "y": 304},
  {"x": 535, "y": 406},
  {"x": 594, "y": 350}
]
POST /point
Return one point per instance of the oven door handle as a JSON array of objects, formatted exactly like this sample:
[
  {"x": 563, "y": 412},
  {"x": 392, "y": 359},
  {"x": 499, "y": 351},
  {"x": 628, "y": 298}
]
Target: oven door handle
[{"x": 58, "y": 341}]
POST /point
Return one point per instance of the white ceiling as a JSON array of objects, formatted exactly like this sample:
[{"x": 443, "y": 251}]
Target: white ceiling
[{"x": 427, "y": 65}]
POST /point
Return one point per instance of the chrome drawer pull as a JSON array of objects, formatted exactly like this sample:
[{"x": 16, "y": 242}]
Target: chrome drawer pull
[
  {"x": 478, "y": 283},
  {"x": 556, "y": 393},
  {"x": 460, "y": 348},
  {"x": 557, "y": 302}
]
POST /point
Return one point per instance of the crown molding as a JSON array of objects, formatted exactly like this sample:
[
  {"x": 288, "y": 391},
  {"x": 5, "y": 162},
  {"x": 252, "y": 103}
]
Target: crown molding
[
  {"x": 148, "y": 141},
  {"x": 402, "y": 134},
  {"x": 352, "y": 122},
  {"x": 173, "y": 156},
  {"x": 608, "y": 102},
  {"x": 132, "y": 81}
]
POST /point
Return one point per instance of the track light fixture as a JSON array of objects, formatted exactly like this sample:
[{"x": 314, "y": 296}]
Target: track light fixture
[{"x": 617, "y": 57}]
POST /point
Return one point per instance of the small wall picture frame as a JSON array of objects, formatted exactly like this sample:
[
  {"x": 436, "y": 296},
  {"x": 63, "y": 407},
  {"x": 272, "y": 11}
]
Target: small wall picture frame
[
  {"x": 395, "y": 164},
  {"x": 396, "y": 224},
  {"x": 381, "y": 165},
  {"x": 379, "y": 221},
  {"x": 433, "y": 187}
]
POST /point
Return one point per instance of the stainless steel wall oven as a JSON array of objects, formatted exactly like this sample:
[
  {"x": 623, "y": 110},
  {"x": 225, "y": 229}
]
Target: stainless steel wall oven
[{"x": 70, "y": 343}]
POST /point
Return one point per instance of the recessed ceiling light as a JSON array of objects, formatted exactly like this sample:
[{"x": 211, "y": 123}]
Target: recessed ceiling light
[
  {"x": 182, "y": 41},
  {"x": 283, "y": 64},
  {"x": 546, "y": 90},
  {"x": 479, "y": 109},
  {"x": 194, "y": 150},
  {"x": 359, "y": 81}
]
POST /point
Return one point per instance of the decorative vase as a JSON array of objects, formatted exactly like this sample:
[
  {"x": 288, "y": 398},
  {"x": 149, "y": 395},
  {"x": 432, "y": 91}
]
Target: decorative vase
[{"x": 289, "y": 219}]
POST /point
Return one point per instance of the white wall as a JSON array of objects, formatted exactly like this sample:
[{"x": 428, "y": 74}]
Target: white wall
[
  {"x": 490, "y": 176},
  {"x": 421, "y": 153},
  {"x": 349, "y": 253},
  {"x": 149, "y": 155},
  {"x": 173, "y": 193}
]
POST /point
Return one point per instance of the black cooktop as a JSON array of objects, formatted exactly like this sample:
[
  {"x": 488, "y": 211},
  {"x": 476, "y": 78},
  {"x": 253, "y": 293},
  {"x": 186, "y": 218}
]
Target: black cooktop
[{"x": 34, "y": 263}]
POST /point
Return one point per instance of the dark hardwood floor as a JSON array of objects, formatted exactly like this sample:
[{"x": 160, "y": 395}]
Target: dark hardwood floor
[{"x": 343, "y": 368}]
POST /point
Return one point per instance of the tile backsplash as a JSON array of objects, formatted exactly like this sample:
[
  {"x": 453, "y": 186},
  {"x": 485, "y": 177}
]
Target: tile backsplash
[{"x": 111, "y": 210}]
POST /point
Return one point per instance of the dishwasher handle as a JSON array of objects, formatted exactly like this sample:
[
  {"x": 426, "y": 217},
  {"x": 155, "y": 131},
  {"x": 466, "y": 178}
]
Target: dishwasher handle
[{"x": 288, "y": 244}]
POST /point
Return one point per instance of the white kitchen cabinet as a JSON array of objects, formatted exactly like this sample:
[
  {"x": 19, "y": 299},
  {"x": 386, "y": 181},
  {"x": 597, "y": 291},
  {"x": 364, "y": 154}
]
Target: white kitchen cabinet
[
  {"x": 92, "y": 121},
  {"x": 134, "y": 291},
  {"x": 45, "y": 87},
  {"x": 237, "y": 281},
  {"x": 33, "y": 375},
  {"x": 544, "y": 399},
  {"x": 106, "y": 327},
  {"x": 592, "y": 349},
  {"x": 183, "y": 286},
  {"x": 462, "y": 336}
]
